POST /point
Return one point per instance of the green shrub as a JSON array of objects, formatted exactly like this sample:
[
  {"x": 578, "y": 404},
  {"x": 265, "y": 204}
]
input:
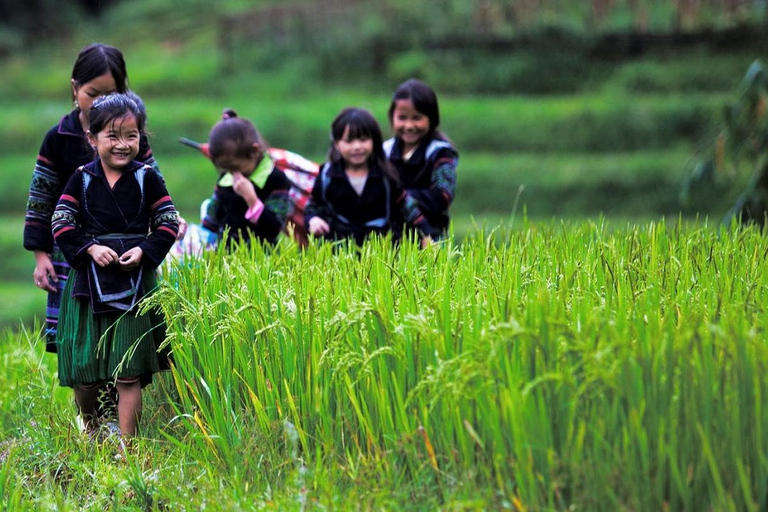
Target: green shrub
[
  {"x": 677, "y": 74},
  {"x": 574, "y": 357}
]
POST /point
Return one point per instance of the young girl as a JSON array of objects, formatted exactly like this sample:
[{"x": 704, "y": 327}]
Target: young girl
[
  {"x": 114, "y": 223},
  {"x": 99, "y": 69},
  {"x": 357, "y": 194},
  {"x": 251, "y": 197},
  {"x": 424, "y": 158}
]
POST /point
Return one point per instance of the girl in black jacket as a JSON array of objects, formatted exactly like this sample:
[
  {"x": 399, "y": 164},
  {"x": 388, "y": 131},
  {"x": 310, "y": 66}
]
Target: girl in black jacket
[
  {"x": 424, "y": 159},
  {"x": 357, "y": 194}
]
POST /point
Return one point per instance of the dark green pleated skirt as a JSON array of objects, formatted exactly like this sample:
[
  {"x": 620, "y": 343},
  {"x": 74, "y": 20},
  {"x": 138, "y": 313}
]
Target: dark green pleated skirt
[{"x": 102, "y": 347}]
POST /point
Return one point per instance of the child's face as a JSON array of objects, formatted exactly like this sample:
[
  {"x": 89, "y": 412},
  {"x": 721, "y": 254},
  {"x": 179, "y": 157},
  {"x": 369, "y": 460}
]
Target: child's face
[
  {"x": 118, "y": 143},
  {"x": 409, "y": 124},
  {"x": 86, "y": 94},
  {"x": 231, "y": 162},
  {"x": 355, "y": 152}
]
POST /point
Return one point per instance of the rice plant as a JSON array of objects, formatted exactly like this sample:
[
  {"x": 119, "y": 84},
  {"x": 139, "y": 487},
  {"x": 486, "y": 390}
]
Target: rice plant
[{"x": 539, "y": 368}]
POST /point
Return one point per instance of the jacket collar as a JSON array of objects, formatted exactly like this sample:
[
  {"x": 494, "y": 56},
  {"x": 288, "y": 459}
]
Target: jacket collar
[
  {"x": 95, "y": 168},
  {"x": 259, "y": 175},
  {"x": 417, "y": 156},
  {"x": 70, "y": 124},
  {"x": 337, "y": 169}
]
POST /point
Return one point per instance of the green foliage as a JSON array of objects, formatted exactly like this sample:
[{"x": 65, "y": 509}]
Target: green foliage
[
  {"x": 568, "y": 125},
  {"x": 572, "y": 184},
  {"x": 24, "y": 302},
  {"x": 555, "y": 366},
  {"x": 739, "y": 155},
  {"x": 21, "y": 300},
  {"x": 698, "y": 72},
  {"x": 22, "y": 20},
  {"x": 546, "y": 367}
]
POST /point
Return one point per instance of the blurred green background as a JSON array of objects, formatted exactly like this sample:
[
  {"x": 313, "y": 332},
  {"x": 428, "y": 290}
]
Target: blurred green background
[{"x": 583, "y": 109}]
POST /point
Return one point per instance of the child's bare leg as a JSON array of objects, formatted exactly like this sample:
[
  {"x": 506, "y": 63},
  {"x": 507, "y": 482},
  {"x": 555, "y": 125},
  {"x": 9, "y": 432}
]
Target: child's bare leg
[
  {"x": 129, "y": 405},
  {"x": 85, "y": 399}
]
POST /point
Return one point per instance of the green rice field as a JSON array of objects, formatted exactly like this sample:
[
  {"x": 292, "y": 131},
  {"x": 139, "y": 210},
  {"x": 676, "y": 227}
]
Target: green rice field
[{"x": 553, "y": 366}]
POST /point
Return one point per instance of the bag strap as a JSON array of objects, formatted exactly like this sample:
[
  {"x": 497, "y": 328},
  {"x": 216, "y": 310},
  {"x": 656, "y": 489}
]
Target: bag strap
[
  {"x": 324, "y": 179},
  {"x": 434, "y": 146},
  {"x": 388, "y": 145},
  {"x": 139, "y": 174}
]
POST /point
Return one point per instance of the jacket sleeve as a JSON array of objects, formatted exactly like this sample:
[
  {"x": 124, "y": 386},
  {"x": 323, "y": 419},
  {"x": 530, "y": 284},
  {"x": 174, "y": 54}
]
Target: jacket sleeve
[
  {"x": 410, "y": 213},
  {"x": 146, "y": 156},
  {"x": 44, "y": 191},
  {"x": 439, "y": 196},
  {"x": 316, "y": 207},
  {"x": 164, "y": 220},
  {"x": 277, "y": 206},
  {"x": 65, "y": 223}
]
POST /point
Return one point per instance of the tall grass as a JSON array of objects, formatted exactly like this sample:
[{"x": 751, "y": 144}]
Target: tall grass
[{"x": 547, "y": 367}]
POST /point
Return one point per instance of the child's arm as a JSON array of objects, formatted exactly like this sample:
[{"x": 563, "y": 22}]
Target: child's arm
[
  {"x": 65, "y": 225},
  {"x": 41, "y": 202},
  {"x": 146, "y": 156},
  {"x": 411, "y": 214},
  {"x": 439, "y": 196},
  {"x": 268, "y": 223},
  {"x": 315, "y": 212},
  {"x": 164, "y": 224}
]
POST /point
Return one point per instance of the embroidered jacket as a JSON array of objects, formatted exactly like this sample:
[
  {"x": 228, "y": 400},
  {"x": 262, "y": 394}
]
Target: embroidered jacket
[
  {"x": 89, "y": 209},
  {"x": 227, "y": 209},
  {"x": 63, "y": 150},
  {"x": 383, "y": 205},
  {"x": 429, "y": 176}
]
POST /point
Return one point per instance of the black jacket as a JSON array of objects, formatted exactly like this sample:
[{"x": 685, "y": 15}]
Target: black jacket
[{"x": 63, "y": 150}]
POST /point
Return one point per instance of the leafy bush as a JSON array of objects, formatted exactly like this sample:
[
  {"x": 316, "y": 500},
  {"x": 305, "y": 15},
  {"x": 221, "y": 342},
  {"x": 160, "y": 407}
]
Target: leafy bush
[
  {"x": 567, "y": 355},
  {"x": 698, "y": 73},
  {"x": 737, "y": 158}
]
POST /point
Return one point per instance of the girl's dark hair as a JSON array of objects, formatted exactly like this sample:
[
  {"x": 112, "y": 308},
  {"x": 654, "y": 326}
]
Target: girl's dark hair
[
  {"x": 424, "y": 100},
  {"x": 139, "y": 103},
  {"x": 361, "y": 125},
  {"x": 234, "y": 134},
  {"x": 96, "y": 59},
  {"x": 113, "y": 106}
]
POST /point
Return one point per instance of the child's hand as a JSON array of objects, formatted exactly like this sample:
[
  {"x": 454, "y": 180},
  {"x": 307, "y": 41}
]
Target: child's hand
[
  {"x": 243, "y": 187},
  {"x": 318, "y": 226},
  {"x": 44, "y": 274},
  {"x": 182, "y": 228},
  {"x": 131, "y": 258},
  {"x": 102, "y": 255},
  {"x": 426, "y": 242}
]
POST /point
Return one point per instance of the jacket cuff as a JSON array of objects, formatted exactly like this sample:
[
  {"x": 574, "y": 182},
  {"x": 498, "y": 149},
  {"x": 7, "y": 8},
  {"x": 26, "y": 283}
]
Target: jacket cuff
[{"x": 254, "y": 212}]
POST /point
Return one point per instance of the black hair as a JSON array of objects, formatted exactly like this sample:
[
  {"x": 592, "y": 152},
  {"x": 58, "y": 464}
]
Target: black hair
[
  {"x": 234, "y": 134},
  {"x": 139, "y": 103},
  {"x": 424, "y": 100},
  {"x": 361, "y": 124},
  {"x": 112, "y": 106},
  {"x": 96, "y": 59}
]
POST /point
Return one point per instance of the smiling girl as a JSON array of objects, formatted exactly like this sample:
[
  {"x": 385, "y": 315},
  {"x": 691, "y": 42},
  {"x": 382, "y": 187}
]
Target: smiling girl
[
  {"x": 99, "y": 69},
  {"x": 357, "y": 193},
  {"x": 114, "y": 223},
  {"x": 423, "y": 157},
  {"x": 251, "y": 198}
]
